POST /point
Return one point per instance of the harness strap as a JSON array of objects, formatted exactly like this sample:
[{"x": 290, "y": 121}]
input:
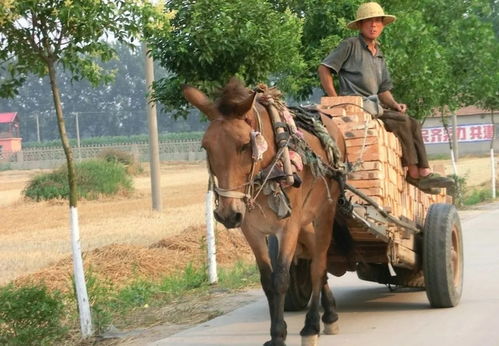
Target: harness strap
[
  {"x": 281, "y": 138},
  {"x": 230, "y": 193}
]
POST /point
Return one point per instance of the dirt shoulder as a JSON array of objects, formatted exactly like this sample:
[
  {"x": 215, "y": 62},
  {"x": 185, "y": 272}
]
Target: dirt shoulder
[{"x": 163, "y": 322}]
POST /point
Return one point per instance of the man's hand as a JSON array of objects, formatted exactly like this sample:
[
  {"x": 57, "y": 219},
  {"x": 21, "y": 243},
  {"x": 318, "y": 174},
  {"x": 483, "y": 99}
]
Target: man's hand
[
  {"x": 386, "y": 98},
  {"x": 401, "y": 107}
]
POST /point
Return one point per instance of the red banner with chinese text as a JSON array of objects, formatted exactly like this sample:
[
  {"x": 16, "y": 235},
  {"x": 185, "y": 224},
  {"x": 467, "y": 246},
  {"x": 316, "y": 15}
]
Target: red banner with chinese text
[{"x": 465, "y": 133}]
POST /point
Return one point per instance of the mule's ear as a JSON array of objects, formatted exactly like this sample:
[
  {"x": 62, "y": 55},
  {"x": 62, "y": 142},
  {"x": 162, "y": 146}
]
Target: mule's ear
[
  {"x": 244, "y": 107},
  {"x": 199, "y": 100}
]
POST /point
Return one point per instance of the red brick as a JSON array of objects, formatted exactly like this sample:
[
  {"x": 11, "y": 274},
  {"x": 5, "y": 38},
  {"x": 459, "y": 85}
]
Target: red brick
[
  {"x": 365, "y": 175},
  {"x": 334, "y": 112},
  {"x": 363, "y": 184},
  {"x": 359, "y": 142},
  {"x": 337, "y": 100}
]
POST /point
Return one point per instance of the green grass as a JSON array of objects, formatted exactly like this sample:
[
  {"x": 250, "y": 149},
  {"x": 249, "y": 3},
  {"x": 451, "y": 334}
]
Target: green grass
[
  {"x": 111, "y": 306},
  {"x": 33, "y": 315},
  {"x": 477, "y": 196},
  {"x": 30, "y": 315}
]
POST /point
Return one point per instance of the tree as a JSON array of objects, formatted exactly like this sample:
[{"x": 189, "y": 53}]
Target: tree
[
  {"x": 439, "y": 55},
  {"x": 212, "y": 40},
  {"x": 113, "y": 109},
  {"x": 39, "y": 37}
]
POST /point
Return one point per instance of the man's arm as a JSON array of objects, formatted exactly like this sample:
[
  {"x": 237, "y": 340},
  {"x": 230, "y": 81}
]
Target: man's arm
[
  {"x": 326, "y": 78},
  {"x": 386, "y": 98}
]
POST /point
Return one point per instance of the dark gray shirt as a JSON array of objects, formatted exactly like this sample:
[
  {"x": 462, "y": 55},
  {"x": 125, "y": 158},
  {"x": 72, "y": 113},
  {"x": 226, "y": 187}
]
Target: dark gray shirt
[{"x": 359, "y": 72}]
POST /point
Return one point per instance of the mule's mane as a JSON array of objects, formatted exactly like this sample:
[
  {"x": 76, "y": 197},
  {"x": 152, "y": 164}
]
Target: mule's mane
[{"x": 231, "y": 96}]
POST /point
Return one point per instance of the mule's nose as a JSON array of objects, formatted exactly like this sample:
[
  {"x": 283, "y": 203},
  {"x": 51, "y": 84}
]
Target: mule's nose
[{"x": 232, "y": 220}]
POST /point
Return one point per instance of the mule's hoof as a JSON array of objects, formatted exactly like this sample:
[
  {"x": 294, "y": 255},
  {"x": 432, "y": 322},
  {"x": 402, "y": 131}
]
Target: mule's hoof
[
  {"x": 332, "y": 328},
  {"x": 310, "y": 340},
  {"x": 276, "y": 343}
]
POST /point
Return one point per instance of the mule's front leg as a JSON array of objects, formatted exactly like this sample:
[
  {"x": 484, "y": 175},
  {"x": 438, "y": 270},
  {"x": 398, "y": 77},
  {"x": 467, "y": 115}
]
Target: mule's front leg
[
  {"x": 283, "y": 253},
  {"x": 278, "y": 288},
  {"x": 273, "y": 284}
]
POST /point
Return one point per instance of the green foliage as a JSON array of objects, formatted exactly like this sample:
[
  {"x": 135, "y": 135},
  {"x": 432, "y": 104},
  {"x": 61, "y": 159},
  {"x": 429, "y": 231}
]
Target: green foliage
[
  {"x": 239, "y": 276},
  {"x": 460, "y": 189},
  {"x": 132, "y": 165},
  {"x": 191, "y": 278},
  {"x": 98, "y": 293},
  {"x": 477, "y": 196},
  {"x": 439, "y": 55},
  {"x": 137, "y": 294},
  {"x": 36, "y": 33},
  {"x": 94, "y": 178},
  {"x": 30, "y": 315},
  {"x": 248, "y": 39}
]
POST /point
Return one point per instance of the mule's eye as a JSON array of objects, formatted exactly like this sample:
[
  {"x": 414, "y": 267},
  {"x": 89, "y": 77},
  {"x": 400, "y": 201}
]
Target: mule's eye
[{"x": 245, "y": 147}]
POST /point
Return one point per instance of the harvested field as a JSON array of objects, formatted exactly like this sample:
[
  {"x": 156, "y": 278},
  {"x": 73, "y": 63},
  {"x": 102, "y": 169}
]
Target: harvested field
[
  {"x": 119, "y": 264},
  {"x": 34, "y": 236}
]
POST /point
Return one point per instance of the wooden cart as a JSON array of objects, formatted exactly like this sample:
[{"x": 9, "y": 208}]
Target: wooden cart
[{"x": 386, "y": 230}]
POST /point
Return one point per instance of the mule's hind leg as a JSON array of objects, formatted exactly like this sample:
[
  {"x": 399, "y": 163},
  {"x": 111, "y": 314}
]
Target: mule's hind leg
[{"x": 330, "y": 316}]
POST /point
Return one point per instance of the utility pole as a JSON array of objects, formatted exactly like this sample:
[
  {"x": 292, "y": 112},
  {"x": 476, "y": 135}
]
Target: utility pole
[
  {"x": 37, "y": 128},
  {"x": 153, "y": 132}
]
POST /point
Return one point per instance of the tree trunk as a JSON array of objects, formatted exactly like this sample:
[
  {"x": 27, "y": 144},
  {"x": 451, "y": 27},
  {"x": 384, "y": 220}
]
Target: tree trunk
[
  {"x": 492, "y": 155},
  {"x": 79, "y": 275}
]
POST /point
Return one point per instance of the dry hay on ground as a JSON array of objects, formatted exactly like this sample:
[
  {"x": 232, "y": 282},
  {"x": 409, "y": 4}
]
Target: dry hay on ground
[{"x": 119, "y": 264}]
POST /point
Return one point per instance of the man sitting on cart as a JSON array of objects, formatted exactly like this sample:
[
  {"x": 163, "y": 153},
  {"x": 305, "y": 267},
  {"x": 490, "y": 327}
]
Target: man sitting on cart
[{"x": 359, "y": 64}]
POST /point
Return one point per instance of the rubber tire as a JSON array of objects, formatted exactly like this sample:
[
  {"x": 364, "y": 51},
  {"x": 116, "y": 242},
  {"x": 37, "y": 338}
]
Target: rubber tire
[
  {"x": 300, "y": 283},
  {"x": 443, "y": 256},
  {"x": 378, "y": 272}
]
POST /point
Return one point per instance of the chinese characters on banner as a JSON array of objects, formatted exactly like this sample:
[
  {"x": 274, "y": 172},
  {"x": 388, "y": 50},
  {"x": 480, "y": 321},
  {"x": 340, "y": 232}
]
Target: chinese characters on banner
[{"x": 465, "y": 133}]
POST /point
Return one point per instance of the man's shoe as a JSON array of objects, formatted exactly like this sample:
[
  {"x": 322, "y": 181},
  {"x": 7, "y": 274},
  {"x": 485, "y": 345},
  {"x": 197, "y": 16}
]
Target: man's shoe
[
  {"x": 432, "y": 190},
  {"x": 428, "y": 190},
  {"x": 435, "y": 180}
]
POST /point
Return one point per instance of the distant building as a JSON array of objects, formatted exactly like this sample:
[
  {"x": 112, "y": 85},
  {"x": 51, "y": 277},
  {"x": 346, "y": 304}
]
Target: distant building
[
  {"x": 475, "y": 130},
  {"x": 10, "y": 139}
]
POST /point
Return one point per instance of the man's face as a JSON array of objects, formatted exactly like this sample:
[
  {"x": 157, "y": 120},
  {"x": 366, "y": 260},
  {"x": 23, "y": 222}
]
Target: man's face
[{"x": 371, "y": 28}]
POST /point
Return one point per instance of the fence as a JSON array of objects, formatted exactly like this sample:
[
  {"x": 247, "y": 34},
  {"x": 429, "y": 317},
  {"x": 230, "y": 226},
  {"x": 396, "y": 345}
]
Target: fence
[{"x": 51, "y": 157}]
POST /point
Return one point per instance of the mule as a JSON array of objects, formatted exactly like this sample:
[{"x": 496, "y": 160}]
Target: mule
[{"x": 306, "y": 233}]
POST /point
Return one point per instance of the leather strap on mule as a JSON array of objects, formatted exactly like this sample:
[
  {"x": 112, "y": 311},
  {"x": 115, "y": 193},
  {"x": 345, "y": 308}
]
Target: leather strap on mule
[
  {"x": 231, "y": 193},
  {"x": 280, "y": 141}
]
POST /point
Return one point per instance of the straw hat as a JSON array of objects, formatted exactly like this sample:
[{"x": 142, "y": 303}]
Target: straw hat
[{"x": 370, "y": 10}]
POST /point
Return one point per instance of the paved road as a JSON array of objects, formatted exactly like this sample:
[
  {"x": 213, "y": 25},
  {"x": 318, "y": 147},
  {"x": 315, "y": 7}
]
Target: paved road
[{"x": 372, "y": 315}]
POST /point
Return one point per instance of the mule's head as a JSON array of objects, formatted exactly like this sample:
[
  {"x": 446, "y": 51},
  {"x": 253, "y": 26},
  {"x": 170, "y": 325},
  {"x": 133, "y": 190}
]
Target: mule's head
[{"x": 227, "y": 142}]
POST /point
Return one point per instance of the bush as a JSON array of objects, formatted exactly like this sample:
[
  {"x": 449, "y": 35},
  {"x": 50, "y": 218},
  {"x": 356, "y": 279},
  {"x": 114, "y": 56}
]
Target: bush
[
  {"x": 128, "y": 160},
  {"x": 93, "y": 178},
  {"x": 30, "y": 315},
  {"x": 477, "y": 196}
]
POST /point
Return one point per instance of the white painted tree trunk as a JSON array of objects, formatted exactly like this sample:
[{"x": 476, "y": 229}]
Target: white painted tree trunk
[
  {"x": 453, "y": 160},
  {"x": 79, "y": 277},
  {"x": 210, "y": 237},
  {"x": 493, "y": 172}
]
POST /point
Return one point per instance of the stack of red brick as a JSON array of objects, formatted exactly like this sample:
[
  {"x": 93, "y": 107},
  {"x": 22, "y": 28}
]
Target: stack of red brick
[{"x": 376, "y": 155}]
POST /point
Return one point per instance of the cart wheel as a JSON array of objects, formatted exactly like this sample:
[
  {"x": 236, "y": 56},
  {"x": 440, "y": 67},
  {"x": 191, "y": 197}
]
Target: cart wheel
[
  {"x": 300, "y": 284},
  {"x": 443, "y": 256}
]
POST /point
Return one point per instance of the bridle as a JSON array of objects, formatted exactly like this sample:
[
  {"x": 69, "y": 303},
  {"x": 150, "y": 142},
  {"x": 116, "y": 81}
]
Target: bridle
[{"x": 250, "y": 194}]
